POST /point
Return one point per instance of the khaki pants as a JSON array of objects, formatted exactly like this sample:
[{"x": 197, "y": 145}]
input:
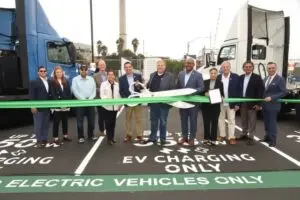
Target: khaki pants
[
  {"x": 229, "y": 114},
  {"x": 129, "y": 112}
]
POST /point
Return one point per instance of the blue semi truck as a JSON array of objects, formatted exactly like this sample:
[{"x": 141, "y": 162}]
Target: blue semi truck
[{"x": 27, "y": 40}]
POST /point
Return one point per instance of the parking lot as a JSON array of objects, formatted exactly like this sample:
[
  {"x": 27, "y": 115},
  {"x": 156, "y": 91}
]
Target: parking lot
[{"x": 138, "y": 171}]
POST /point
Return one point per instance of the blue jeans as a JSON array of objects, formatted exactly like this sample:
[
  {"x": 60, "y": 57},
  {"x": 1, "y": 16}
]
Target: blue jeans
[
  {"x": 90, "y": 113},
  {"x": 158, "y": 117}
]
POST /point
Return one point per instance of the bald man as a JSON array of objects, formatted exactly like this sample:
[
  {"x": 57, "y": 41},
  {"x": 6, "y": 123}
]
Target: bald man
[{"x": 189, "y": 78}]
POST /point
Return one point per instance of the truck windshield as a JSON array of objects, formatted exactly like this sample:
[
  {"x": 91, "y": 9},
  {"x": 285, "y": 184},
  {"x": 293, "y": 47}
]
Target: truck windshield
[{"x": 58, "y": 53}]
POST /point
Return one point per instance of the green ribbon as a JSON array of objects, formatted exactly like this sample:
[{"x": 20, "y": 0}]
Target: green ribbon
[{"x": 122, "y": 101}]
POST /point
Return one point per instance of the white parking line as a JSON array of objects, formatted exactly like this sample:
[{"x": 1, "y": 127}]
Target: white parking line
[
  {"x": 91, "y": 153},
  {"x": 286, "y": 156}
]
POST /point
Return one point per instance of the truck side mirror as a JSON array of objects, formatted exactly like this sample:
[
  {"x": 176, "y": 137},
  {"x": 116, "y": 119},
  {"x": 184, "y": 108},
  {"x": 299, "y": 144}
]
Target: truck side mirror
[
  {"x": 72, "y": 52},
  {"x": 212, "y": 63}
]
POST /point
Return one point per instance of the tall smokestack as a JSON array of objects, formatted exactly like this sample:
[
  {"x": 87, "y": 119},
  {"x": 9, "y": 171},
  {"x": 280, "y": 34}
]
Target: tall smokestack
[{"x": 123, "y": 34}]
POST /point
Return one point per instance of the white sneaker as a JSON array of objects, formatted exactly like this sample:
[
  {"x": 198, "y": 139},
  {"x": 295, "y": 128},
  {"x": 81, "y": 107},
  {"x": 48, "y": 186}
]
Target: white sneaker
[{"x": 81, "y": 140}]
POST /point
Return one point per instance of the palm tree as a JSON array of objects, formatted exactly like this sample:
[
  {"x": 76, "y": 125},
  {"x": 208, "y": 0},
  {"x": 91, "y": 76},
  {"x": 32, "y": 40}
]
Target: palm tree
[
  {"x": 104, "y": 51},
  {"x": 135, "y": 43},
  {"x": 120, "y": 43},
  {"x": 99, "y": 45}
]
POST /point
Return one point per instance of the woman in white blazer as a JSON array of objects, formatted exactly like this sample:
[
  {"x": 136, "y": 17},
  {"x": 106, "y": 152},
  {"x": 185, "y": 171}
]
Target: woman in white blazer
[{"x": 110, "y": 90}]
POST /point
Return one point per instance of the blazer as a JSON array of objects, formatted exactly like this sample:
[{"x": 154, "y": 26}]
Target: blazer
[
  {"x": 57, "y": 93},
  {"x": 233, "y": 90},
  {"x": 195, "y": 81},
  {"x": 275, "y": 90},
  {"x": 124, "y": 85},
  {"x": 98, "y": 80},
  {"x": 255, "y": 89},
  {"x": 107, "y": 93},
  {"x": 208, "y": 106},
  {"x": 167, "y": 82},
  {"x": 37, "y": 91}
]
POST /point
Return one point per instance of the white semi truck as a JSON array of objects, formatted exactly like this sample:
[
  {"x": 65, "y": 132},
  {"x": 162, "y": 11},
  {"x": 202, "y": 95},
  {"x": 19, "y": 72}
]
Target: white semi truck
[{"x": 261, "y": 36}]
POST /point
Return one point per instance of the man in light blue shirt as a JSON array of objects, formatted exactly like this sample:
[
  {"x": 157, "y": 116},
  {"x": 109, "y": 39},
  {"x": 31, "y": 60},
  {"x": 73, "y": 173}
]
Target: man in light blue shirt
[{"x": 84, "y": 87}]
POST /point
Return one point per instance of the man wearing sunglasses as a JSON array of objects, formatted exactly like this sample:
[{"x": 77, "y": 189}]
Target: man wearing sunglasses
[
  {"x": 39, "y": 90},
  {"x": 84, "y": 87}
]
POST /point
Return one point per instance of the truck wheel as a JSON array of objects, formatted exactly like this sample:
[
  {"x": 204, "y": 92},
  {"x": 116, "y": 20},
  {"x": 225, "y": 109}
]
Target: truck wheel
[{"x": 297, "y": 110}]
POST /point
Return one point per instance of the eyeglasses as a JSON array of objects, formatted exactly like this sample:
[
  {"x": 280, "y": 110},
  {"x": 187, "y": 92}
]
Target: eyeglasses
[
  {"x": 83, "y": 70},
  {"x": 43, "y": 71}
]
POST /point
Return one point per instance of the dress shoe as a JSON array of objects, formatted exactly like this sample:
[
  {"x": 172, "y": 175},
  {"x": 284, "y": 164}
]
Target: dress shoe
[
  {"x": 191, "y": 143},
  {"x": 182, "y": 141},
  {"x": 250, "y": 141},
  {"x": 272, "y": 145},
  {"x": 110, "y": 142},
  {"x": 127, "y": 138},
  {"x": 232, "y": 141},
  {"x": 163, "y": 142},
  {"x": 147, "y": 141},
  {"x": 243, "y": 137}
]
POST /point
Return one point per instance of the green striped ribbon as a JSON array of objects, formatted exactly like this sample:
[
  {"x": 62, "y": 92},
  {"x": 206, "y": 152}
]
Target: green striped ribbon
[{"x": 122, "y": 101}]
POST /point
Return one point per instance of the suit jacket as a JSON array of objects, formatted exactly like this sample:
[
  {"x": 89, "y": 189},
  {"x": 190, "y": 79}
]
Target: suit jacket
[
  {"x": 124, "y": 85},
  {"x": 195, "y": 81},
  {"x": 275, "y": 90},
  {"x": 208, "y": 106},
  {"x": 57, "y": 93},
  {"x": 233, "y": 90},
  {"x": 37, "y": 91},
  {"x": 98, "y": 79},
  {"x": 167, "y": 82},
  {"x": 255, "y": 89}
]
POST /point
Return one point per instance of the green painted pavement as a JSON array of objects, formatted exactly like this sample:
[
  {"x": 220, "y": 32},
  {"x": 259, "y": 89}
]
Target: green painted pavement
[{"x": 157, "y": 182}]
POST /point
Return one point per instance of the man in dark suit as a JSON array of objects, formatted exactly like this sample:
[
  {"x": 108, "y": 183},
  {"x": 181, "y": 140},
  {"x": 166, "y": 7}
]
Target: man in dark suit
[
  {"x": 39, "y": 90},
  {"x": 230, "y": 82},
  {"x": 251, "y": 86},
  {"x": 189, "y": 78},
  {"x": 274, "y": 89},
  {"x": 126, "y": 81}
]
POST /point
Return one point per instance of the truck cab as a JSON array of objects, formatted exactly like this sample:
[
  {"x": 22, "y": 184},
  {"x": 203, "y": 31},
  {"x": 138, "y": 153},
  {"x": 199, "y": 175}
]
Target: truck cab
[{"x": 27, "y": 41}]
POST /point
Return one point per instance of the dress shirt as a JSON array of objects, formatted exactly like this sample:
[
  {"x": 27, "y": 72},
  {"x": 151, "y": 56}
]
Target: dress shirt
[
  {"x": 45, "y": 81},
  {"x": 130, "y": 79},
  {"x": 245, "y": 85},
  {"x": 84, "y": 88},
  {"x": 212, "y": 84},
  {"x": 225, "y": 81},
  {"x": 187, "y": 77},
  {"x": 268, "y": 82}
]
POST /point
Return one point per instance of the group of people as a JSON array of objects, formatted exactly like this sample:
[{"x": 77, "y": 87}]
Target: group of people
[{"x": 103, "y": 85}]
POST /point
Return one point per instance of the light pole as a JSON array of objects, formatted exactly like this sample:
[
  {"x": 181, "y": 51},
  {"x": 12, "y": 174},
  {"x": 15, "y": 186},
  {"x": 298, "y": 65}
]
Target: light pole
[
  {"x": 92, "y": 29},
  {"x": 197, "y": 38}
]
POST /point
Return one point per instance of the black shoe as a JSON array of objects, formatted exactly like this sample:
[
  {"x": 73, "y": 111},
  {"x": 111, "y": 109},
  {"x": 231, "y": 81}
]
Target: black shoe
[
  {"x": 147, "y": 141},
  {"x": 250, "y": 141},
  {"x": 243, "y": 137},
  {"x": 163, "y": 142},
  {"x": 272, "y": 145},
  {"x": 67, "y": 139},
  {"x": 110, "y": 142},
  {"x": 39, "y": 145}
]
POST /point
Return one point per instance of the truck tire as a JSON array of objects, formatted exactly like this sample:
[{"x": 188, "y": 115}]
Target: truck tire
[{"x": 297, "y": 111}]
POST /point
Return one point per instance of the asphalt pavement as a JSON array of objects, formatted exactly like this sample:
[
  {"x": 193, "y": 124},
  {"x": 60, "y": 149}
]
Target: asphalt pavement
[{"x": 138, "y": 171}]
